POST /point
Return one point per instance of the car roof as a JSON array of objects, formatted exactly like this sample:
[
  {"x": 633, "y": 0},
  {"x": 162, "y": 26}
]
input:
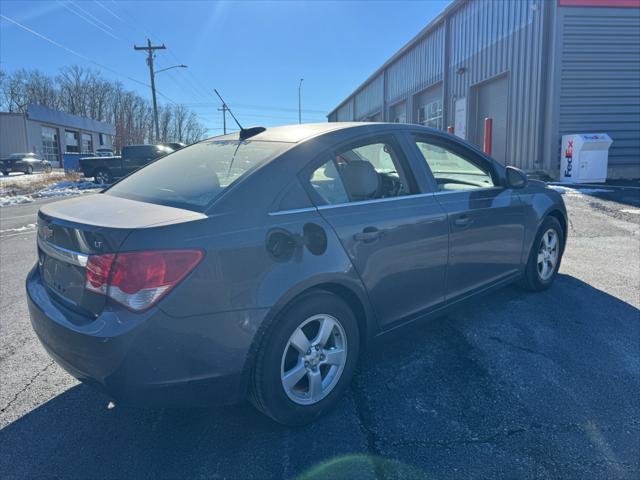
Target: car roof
[{"x": 305, "y": 131}]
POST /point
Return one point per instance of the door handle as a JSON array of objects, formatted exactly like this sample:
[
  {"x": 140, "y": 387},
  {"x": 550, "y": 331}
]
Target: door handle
[
  {"x": 368, "y": 234},
  {"x": 463, "y": 221}
]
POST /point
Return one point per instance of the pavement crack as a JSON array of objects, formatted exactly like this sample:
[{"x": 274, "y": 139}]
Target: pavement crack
[
  {"x": 365, "y": 419},
  {"x": 26, "y": 387},
  {"x": 490, "y": 439},
  {"x": 518, "y": 347}
]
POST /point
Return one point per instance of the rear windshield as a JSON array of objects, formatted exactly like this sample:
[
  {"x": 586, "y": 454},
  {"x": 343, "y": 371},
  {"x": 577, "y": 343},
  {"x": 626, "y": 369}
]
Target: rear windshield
[{"x": 193, "y": 176}]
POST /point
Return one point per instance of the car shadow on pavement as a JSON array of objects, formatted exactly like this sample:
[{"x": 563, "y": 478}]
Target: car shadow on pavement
[{"x": 513, "y": 385}]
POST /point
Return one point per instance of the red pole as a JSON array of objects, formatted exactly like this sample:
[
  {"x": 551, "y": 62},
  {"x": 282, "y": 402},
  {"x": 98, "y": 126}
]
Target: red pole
[
  {"x": 450, "y": 129},
  {"x": 488, "y": 130}
]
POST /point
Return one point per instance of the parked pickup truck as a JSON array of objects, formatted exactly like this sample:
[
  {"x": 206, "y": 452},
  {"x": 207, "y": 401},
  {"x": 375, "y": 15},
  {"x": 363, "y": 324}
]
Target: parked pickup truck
[{"x": 105, "y": 170}]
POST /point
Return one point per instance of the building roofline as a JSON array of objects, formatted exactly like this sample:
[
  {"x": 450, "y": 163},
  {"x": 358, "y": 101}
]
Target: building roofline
[
  {"x": 432, "y": 25},
  {"x": 48, "y": 115}
]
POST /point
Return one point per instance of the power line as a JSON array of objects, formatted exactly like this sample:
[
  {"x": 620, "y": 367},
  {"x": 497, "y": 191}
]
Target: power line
[
  {"x": 139, "y": 24},
  {"x": 256, "y": 107},
  {"x": 80, "y": 55},
  {"x": 88, "y": 20},
  {"x": 260, "y": 115},
  {"x": 89, "y": 14}
]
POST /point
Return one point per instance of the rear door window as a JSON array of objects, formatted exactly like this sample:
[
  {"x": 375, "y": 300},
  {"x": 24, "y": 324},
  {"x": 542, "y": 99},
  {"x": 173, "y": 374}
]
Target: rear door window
[
  {"x": 193, "y": 176},
  {"x": 367, "y": 171}
]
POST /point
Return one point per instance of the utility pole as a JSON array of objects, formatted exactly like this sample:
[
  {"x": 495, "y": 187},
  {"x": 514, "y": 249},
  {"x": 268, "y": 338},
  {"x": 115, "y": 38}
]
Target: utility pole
[
  {"x": 224, "y": 110},
  {"x": 150, "y": 49},
  {"x": 300, "y": 102}
]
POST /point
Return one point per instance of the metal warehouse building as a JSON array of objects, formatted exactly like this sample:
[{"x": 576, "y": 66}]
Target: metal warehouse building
[
  {"x": 51, "y": 133},
  {"x": 538, "y": 69}
]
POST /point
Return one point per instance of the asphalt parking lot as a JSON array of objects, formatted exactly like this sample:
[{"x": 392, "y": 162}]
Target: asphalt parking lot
[{"x": 514, "y": 385}]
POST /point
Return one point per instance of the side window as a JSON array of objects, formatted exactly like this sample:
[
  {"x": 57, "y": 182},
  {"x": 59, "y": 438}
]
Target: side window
[
  {"x": 372, "y": 171},
  {"x": 327, "y": 184},
  {"x": 366, "y": 172},
  {"x": 453, "y": 172}
]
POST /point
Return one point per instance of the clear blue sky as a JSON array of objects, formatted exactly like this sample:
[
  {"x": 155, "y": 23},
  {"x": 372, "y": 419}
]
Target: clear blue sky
[{"x": 254, "y": 53}]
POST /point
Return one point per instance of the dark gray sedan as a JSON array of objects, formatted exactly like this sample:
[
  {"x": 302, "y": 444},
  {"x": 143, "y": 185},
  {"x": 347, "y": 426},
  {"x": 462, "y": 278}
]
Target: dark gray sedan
[
  {"x": 24, "y": 162},
  {"x": 260, "y": 264}
]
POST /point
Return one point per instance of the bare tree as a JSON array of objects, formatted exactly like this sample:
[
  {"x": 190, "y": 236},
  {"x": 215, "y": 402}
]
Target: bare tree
[{"x": 84, "y": 92}]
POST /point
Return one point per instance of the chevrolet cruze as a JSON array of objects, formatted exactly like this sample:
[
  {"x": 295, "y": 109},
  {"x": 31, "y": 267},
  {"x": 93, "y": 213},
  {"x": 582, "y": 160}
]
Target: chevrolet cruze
[{"x": 260, "y": 264}]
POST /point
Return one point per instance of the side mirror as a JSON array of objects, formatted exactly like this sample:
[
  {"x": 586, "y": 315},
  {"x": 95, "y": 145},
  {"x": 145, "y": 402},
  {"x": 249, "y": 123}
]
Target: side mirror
[{"x": 516, "y": 178}]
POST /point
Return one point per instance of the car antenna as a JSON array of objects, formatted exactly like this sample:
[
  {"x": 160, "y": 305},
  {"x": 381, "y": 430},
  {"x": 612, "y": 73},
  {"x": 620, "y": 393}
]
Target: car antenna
[{"x": 244, "y": 132}]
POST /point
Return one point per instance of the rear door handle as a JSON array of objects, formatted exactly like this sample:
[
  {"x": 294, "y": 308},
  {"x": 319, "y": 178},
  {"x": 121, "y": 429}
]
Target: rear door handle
[
  {"x": 463, "y": 221},
  {"x": 369, "y": 234}
]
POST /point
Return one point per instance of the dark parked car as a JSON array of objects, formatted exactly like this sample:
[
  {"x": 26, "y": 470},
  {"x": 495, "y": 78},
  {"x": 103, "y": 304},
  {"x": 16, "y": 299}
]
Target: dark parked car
[
  {"x": 24, "y": 162},
  {"x": 260, "y": 267},
  {"x": 105, "y": 170}
]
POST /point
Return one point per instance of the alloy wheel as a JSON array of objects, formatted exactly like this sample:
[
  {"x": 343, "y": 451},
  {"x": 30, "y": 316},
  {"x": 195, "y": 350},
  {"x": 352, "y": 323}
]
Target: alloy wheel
[
  {"x": 313, "y": 359},
  {"x": 548, "y": 253}
]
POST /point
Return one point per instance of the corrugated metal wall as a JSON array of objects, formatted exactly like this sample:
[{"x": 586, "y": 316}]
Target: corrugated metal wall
[
  {"x": 569, "y": 70},
  {"x": 369, "y": 99},
  {"x": 486, "y": 38},
  {"x": 418, "y": 68},
  {"x": 345, "y": 112},
  {"x": 492, "y": 38},
  {"x": 600, "y": 77},
  {"x": 13, "y": 134}
]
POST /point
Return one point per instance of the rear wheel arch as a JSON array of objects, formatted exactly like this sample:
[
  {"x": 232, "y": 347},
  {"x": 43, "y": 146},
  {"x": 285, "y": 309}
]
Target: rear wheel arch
[
  {"x": 260, "y": 374},
  {"x": 354, "y": 300},
  {"x": 355, "y": 304}
]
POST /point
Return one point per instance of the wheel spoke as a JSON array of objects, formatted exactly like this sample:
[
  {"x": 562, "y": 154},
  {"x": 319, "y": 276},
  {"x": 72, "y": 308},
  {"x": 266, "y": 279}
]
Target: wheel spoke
[
  {"x": 540, "y": 258},
  {"x": 545, "y": 270},
  {"x": 553, "y": 241},
  {"x": 300, "y": 341},
  {"x": 326, "y": 328},
  {"x": 334, "y": 356},
  {"x": 315, "y": 384},
  {"x": 293, "y": 376}
]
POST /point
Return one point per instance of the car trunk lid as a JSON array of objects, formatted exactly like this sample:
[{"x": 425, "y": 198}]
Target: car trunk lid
[{"x": 72, "y": 230}]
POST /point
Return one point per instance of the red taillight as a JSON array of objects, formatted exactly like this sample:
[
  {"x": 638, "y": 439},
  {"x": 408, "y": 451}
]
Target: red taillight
[
  {"x": 138, "y": 280},
  {"x": 98, "y": 268}
]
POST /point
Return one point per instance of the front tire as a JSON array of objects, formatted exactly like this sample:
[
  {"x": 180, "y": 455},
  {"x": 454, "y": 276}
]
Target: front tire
[
  {"x": 306, "y": 359},
  {"x": 545, "y": 256},
  {"x": 29, "y": 170}
]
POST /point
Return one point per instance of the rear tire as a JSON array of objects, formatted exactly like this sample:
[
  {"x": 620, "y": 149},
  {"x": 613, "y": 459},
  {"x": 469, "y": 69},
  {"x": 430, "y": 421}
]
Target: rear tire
[
  {"x": 29, "y": 170},
  {"x": 48, "y": 169},
  {"x": 6, "y": 174},
  {"x": 545, "y": 256},
  {"x": 323, "y": 373},
  {"x": 102, "y": 177}
]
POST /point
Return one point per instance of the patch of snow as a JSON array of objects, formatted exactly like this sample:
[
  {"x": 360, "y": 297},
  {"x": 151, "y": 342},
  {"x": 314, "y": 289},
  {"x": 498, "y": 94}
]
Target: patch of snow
[
  {"x": 633, "y": 211},
  {"x": 64, "y": 189},
  {"x": 34, "y": 177},
  {"x": 59, "y": 189},
  {"x": 24, "y": 228},
  {"x": 7, "y": 201},
  {"x": 578, "y": 191}
]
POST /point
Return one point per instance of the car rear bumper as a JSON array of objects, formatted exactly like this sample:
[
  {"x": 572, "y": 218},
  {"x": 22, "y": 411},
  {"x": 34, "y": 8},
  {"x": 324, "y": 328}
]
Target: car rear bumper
[{"x": 148, "y": 359}]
